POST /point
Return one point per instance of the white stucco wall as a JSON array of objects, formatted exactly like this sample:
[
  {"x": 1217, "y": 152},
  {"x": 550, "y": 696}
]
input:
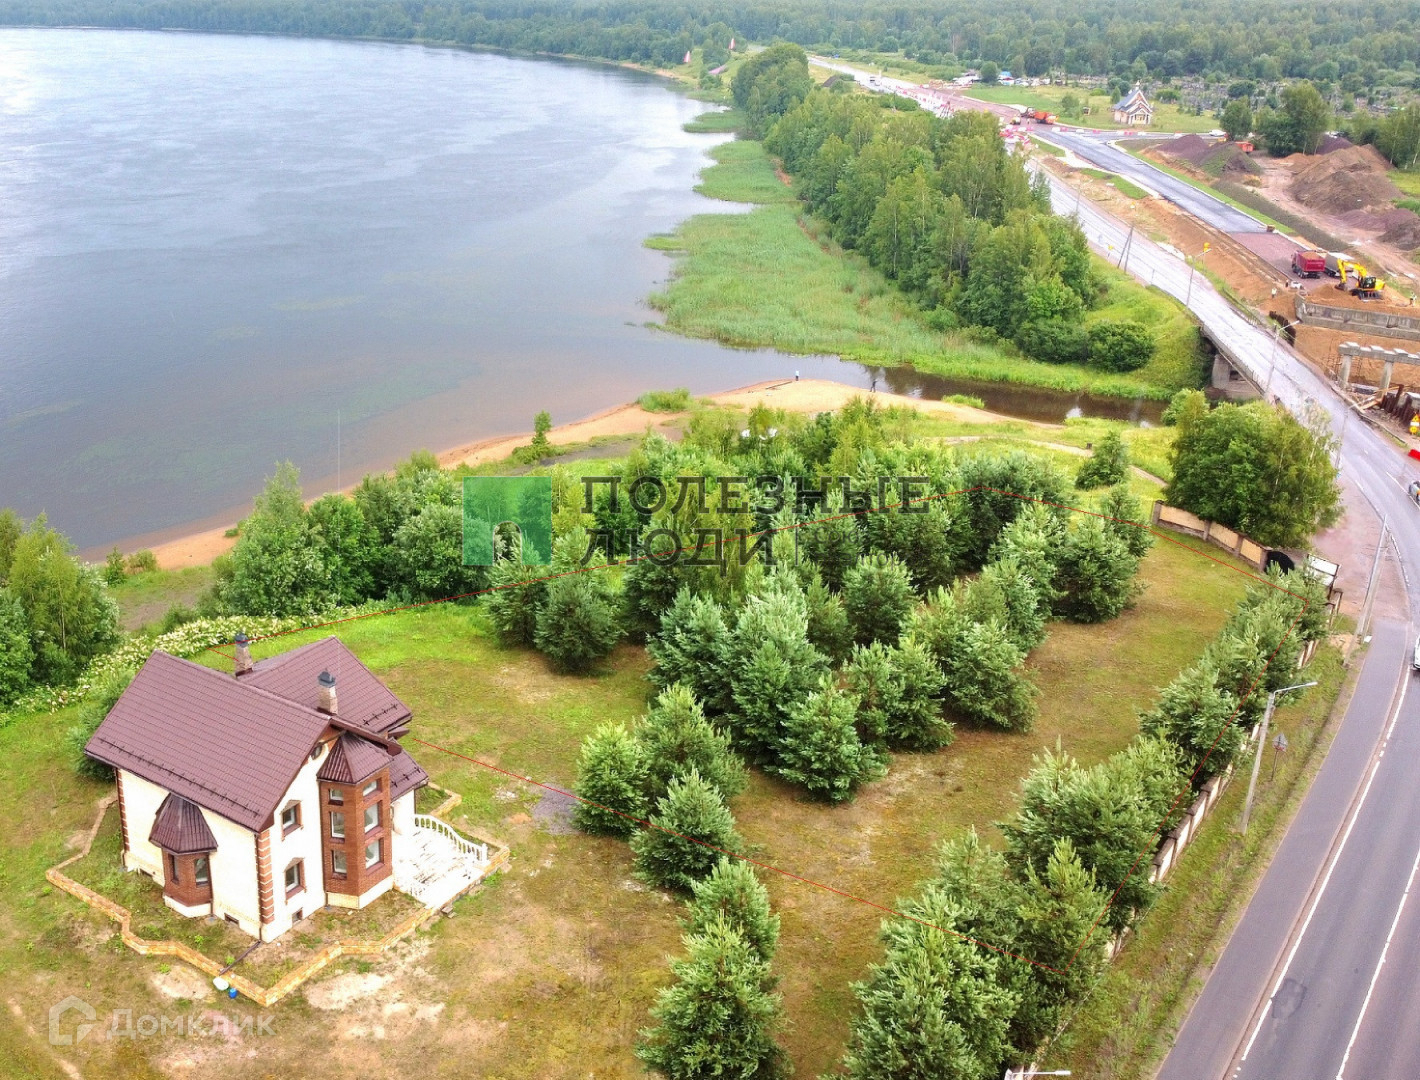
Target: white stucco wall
[
  {"x": 303, "y": 843},
  {"x": 140, "y": 806}
]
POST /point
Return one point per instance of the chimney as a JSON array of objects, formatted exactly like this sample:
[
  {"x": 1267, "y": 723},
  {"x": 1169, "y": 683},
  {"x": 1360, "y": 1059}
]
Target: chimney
[
  {"x": 327, "y": 702},
  {"x": 243, "y": 657}
]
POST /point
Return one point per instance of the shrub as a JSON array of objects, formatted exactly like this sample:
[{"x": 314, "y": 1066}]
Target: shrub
[
  {"x": 141, "y": 562},
  {"x": 16, "y": 653},
  {"x": 1055, "y": 341},
  {"x": 611, "y": 773},
  {"x": 692, "y": 828},
  {"x": 1120, "y": 346},
  {"x": 677, "y": 400},
  {"x": 101, "y": 700},
  {"x": 577, "y": 625},
  {"x": 114, "y": 571}
]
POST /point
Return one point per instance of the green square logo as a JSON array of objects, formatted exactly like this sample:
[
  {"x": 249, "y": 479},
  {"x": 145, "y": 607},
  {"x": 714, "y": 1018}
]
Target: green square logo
[{"x": 490, "y": 501}]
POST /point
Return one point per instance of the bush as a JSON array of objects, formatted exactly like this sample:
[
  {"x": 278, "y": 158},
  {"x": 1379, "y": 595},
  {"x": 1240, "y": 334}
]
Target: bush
[
  {"x": 677, "y": 400},
  {"x": 1055, "y": 341},
  {"x": 611, "y": 773},
  {"x": 1107, "y": 466},
  {"x": 114, "y": 571},
  {"x": 142, "y": 562},
  {"x": 16, "y": 653},
  {"x": 1120, "y": 346},
  {"x": 692, "y": 829},
  {"x": 101, "y": 700}
]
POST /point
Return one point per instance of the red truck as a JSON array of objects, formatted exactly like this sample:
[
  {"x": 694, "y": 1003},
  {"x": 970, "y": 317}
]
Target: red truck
[
  {"x": 1311, "y": 264},
  {"x": 1040, "y": 116}
]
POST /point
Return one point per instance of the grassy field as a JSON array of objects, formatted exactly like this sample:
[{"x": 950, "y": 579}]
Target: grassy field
[
  {"x": 1167, "y": 116},
  {"x": 718, "y": 121},
  {"x": 549, "y": 972},
  {"x": 767, "y": 278},
  {"x": 143, "y": 599}
]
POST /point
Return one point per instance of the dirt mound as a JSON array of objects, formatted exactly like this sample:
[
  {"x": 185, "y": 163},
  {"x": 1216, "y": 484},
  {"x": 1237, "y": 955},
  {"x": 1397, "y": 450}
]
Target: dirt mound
[
  {"x": 1343, "y": 181},
  {"x": 1191, "y": 148},
  {"x": 1331, "y": 143},
  {"x": 1402, "y": 229},
  {"x": 1240, "y": 164}
]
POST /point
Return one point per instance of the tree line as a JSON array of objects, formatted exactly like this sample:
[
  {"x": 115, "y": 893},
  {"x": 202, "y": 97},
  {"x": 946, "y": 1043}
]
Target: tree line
[
  {"x": 1128, "y": 38},
  {"x": 946, "y": 211}
]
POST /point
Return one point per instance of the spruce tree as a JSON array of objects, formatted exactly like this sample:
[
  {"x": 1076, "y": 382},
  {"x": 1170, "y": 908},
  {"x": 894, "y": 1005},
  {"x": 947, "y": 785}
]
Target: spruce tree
[
  {"x": 770, "y": 666},
  {"x": 577, "y": 625},
  {"x": 516, "y": 599},
  {"x": 1095, "y": 574},
  {"x": 693, "y": 828},
  {"x": 878, "y": 596},
  {"x": 1005, "y": 587},
  {"x": 719, "y": 1018},
  {"x": 1125, "y": 518},
  {"x": 734, "y": 893},
  {"x": 828, "y": 628},
  {"x": 676, "y": 737},
  {"x": 611, "y": 773},
  {"x": 690, "y": 649},
  {"x": 1107, "y": 466},
  {"x": 821, "y": 749},
  {"x": 1033, "y": 542},
  {"x": 986, "y": 683},
  {"x": 898, "y": 690},
  {"x": 1200, "y": 719}
]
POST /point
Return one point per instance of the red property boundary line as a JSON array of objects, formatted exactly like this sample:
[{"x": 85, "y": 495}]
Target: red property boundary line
[{"x": 1146, "y": 852}]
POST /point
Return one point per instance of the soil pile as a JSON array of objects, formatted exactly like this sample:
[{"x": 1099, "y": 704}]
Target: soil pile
[
  {"x": 1190, "y": 148},
  {"x": 1331, "y": 143},
  {"x": 1229, "y": 159},
  {"x": 1343, "y": 181}
]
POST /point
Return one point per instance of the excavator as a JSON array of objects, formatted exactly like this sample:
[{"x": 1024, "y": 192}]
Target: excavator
[{"x": 1367, "y": 286}]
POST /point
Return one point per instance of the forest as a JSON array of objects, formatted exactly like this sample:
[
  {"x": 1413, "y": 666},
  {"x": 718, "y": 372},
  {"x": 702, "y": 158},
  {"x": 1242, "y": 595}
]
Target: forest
[{"x": 1265, "y": 39}]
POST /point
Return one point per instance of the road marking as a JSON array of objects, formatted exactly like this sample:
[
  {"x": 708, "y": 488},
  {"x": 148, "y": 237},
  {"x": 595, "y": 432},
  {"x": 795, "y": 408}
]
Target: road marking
[
  {"x": 1335, "y": 858},
  {"x": 1375, "y": 975}
]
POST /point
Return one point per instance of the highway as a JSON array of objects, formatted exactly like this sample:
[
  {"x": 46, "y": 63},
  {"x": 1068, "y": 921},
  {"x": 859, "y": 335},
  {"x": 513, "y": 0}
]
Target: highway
[{"x": 1318, "y": 979}]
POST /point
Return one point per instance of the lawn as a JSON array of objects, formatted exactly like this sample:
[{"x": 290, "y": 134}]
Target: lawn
[
  {"x": 549, "y": 971},
  {"x": 143, "y": 599},
  {"x": 769, "y": 278}
]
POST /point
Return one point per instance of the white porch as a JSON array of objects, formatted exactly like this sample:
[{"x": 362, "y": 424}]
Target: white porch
[{"x": 435, "y": 864}]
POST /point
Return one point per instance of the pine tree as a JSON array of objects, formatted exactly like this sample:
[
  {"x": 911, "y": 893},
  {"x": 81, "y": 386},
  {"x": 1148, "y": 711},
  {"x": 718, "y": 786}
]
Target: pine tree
[
  {"x": 719, "y": 1018},
  {"x": 611, "y": 773},
  {"x": 676, "y": 737},
  {"x": 691, "y": 648},
  {"x": 935, "y": 1008},
  {"x": 878, "y": 596},
  {"x": 1095, "y": 574},
  {"x": 1033, "y": 541},
  {"x": 516, "y": 599},
  {"x": 1005, "y": 586},
  {"x": 734, "y": 893},
  {"x": 821, "y": 750},
  {"x": 1107, "y": 466},
  {"x": 577, "y": 625},
  {"x": 692, "y": 829}
]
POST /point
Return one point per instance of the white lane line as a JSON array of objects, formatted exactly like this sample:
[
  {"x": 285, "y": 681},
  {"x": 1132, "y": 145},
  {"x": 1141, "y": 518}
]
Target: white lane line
[
  {"x": 1335, "y": 858},
  {"x": 1375, "y": 975}
]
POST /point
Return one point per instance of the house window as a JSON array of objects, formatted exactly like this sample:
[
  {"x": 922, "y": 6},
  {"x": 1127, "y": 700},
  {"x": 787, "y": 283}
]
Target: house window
[
  {"x": 172, "y": 869},
  {"x": 290, "y": 818},
  {"x": 372, "y": 817},
  {"x": 370, "y": 788},
  {"x": 200, "y": 873},
  {"x": 334, "y": 795},
  {"x": 294, "y": 878},
  {"x": 337, "y": 825},
  {"x": 337, "y": 863},
  {"x": 372, "y": 854}
]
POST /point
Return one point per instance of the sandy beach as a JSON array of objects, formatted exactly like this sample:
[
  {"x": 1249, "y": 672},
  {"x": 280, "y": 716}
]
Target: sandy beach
[{"x": 807, "y": 396}]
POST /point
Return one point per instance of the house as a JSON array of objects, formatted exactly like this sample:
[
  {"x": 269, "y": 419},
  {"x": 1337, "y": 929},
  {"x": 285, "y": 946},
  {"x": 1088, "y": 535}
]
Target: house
[
  {"x": 1006, "y": 78},
  {"x": 1134, "y": 109},
  {"x": 263, "y": 795}
]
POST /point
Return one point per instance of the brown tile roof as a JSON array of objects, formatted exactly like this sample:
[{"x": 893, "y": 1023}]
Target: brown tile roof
[
  {"x": 362, "y": 699},
  {"x": 405, "y": 775},
  {"x": 353, "y": 760},
  {"x": 180, "y": 828},
  {"x": 233, "y": 746}
]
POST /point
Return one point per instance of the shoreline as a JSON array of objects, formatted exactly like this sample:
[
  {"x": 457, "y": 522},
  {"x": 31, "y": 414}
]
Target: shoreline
[{"x": 200, "y": 547}]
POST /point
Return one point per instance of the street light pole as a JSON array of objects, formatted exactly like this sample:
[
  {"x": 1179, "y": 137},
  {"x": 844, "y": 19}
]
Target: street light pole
[
  {"x": 1272, "y": 356},
  {"x": 1262, "y": 742}
]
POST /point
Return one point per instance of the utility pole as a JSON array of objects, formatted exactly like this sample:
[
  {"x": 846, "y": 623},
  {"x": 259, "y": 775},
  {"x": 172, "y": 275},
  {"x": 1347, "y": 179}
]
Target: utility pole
[
  {"x": 1124, "y": 255},
  {"x": 1261, "y": 745},
  {"x": 1369, "y": 598}
]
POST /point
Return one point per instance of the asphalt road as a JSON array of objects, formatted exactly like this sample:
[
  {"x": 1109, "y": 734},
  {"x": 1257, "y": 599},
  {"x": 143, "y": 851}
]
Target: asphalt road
[{"x": 1099, "y": 150}]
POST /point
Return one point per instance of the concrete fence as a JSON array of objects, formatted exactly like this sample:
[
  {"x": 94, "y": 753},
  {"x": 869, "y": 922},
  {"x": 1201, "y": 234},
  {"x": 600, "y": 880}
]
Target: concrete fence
[
  {"x": 1171, "y": 517},
  {"x": 1380, "y": 321}
]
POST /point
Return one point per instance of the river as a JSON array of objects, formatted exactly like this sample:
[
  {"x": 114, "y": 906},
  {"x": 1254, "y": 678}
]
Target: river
[{"x": 221, "y": 252}]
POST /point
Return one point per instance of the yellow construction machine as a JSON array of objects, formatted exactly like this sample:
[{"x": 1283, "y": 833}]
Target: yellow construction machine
[{"x": 1367, "y": 286}]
